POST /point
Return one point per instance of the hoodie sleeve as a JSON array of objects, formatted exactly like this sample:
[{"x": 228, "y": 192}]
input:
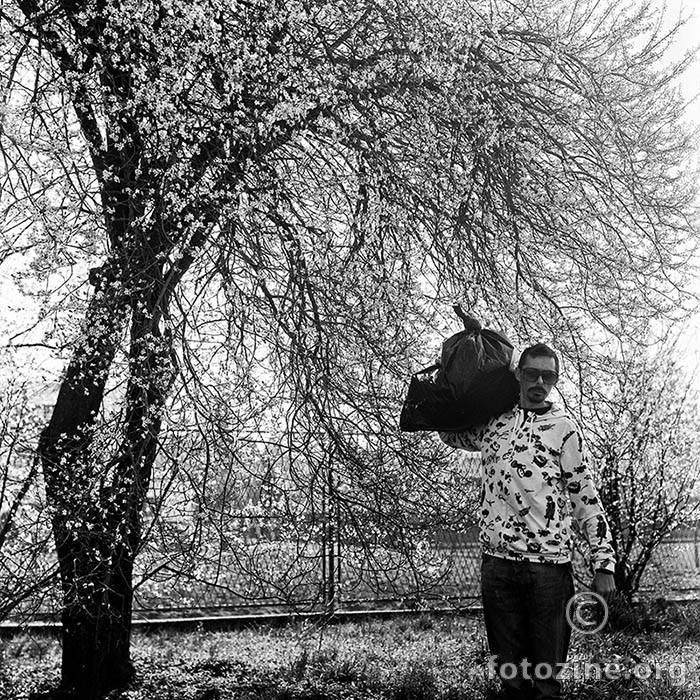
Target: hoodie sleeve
[
  {"x": 586, "y": 507},
  {"x": 469, "y": 440}
]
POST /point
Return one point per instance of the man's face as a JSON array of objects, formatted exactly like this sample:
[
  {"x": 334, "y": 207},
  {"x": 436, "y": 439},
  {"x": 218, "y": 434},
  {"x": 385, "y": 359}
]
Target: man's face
[{"x": 534, "y": 390}]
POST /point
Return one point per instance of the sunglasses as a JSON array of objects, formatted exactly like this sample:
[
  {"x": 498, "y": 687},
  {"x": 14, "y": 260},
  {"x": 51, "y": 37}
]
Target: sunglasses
[{"x": 531, "y": 374}]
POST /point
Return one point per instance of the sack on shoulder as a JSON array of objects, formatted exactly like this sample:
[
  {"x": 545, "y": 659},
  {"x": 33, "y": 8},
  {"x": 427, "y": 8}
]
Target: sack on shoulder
[{"x": 471, "y": 384}]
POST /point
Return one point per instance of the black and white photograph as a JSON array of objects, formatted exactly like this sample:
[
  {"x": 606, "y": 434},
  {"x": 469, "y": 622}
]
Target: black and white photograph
[{"x": 349, "y": 349}]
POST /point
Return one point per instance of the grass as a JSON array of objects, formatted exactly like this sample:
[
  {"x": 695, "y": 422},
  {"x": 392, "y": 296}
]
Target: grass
[{"x": 409, "y": 658}]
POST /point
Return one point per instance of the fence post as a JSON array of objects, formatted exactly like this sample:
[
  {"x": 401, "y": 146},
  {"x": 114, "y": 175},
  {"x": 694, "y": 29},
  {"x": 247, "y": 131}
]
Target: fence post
[
  {"x": 330, "y": 607},
  {"x": 324, "y": 546},
  {"x": 330, "y": 541},
  {"x": 338, "y": 560}
]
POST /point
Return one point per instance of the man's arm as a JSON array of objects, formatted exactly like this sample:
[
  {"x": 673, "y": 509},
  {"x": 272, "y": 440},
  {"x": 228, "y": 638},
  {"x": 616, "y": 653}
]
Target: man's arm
[
  {"x": 588, "y": 511},
  {"x": 469, "y": 440}
]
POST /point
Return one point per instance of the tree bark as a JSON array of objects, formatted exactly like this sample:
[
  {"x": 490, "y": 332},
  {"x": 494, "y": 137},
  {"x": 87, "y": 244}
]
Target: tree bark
[
  {"x": 90, "y": 652},
  {"x": 97, "y": 634},
  {"x": 96, "y": 507}
]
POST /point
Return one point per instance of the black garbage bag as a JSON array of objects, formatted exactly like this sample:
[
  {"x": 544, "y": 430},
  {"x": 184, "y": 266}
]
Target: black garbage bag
[{"x": 471, "y": 384}]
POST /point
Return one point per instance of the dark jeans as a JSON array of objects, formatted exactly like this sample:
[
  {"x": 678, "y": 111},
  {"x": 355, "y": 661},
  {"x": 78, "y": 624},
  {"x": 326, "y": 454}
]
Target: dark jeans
[{"x": 525, "y": 615}]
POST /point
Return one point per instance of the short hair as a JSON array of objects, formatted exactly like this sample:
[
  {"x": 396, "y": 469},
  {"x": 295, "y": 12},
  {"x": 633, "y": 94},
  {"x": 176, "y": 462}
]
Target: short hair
[{"x": 538, "y": 350}]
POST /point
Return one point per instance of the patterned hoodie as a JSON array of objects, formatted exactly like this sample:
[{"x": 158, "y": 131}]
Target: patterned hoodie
[{"x": 530, "y": 463}]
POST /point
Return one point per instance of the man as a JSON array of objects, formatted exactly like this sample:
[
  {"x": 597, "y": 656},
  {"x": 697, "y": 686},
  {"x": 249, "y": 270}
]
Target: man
[{"x": 535, "y": 477}]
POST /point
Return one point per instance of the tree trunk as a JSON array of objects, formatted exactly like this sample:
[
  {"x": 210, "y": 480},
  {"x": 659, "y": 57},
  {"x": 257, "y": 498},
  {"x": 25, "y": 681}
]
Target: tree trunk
[
  {"x": 96, "y": 507},
  {"x": 92, "y": 528},
  {"x": 97, "y": 634}
]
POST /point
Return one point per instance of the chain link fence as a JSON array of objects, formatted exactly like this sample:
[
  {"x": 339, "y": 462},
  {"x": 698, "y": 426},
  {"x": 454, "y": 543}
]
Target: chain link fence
[
  {"x": 271, "y": 575},
  {"x": 332, "y": 576},
  {"x": 315, "y": 561}
]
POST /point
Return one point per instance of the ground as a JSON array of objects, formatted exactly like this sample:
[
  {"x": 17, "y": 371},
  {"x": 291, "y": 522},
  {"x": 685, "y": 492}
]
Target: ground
[{"x": 422, "y": 657}]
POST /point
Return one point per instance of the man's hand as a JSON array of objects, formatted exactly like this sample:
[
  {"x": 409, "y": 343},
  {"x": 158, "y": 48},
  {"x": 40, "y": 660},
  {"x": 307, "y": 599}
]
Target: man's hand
[{"x": 603, "y": 584}]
